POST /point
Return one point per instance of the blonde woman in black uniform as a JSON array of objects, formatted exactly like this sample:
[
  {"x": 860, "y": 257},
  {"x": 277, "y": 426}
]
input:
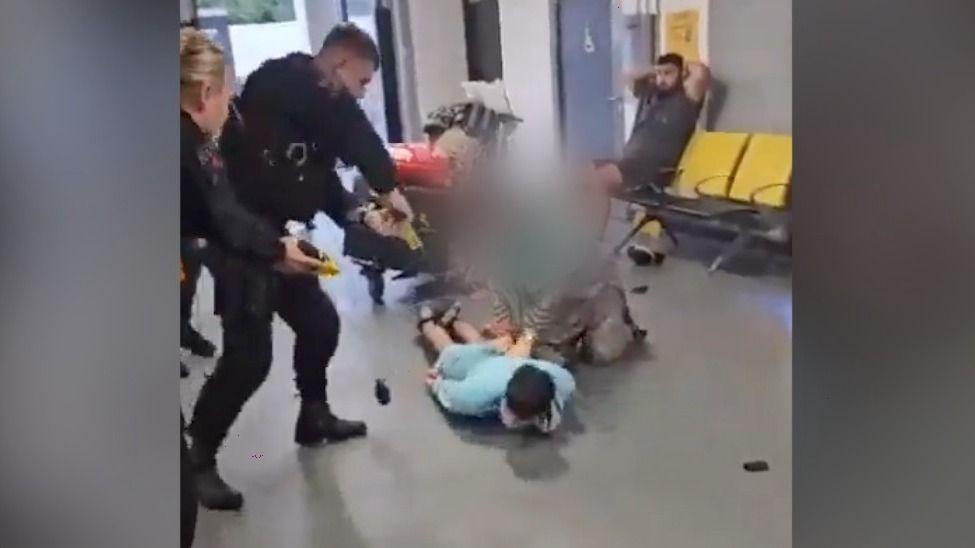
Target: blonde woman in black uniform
[{"x": 247, "y": 247}]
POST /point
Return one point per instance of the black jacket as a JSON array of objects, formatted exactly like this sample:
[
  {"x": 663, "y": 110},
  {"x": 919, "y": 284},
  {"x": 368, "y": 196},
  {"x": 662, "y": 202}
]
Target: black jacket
[
  {"x": 208, "y": 206},
  {"x": 283, "y": 151},
  {"x": 243, "y": 243}
]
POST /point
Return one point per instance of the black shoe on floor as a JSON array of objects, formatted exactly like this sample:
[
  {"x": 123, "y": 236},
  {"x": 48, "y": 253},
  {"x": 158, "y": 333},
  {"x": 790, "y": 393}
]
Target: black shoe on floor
[
  {"x": 214, "y": 493},
  {"x": 450, "y": 315},
  {"x": 197, "y": 344},
  {"x": 425, "y": 314},
  {"x": 211, "y": 490},
  {"x": 183, "y": 370},
  {"x": 316, "y": 423},
  {"x": 441, "y": 312},
  {"x": 642, "y": 256}
]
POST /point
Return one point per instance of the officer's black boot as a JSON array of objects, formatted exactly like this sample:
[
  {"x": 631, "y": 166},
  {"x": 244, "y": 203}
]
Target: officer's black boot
[
  {"x": 211, "y": 490},
  {"x": 316, "y": 423},
  {"x": 192, "y": 340},
  {"x": 183, "y": 370}
]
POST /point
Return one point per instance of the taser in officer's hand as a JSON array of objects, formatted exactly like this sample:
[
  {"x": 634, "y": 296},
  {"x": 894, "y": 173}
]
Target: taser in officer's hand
[
  {"x": 329, "y": 267},
  {"x": 409, "y": 235}
]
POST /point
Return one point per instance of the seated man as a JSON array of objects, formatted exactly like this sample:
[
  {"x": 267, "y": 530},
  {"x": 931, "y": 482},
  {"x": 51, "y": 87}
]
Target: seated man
[
  {"x": 479, "y": 378},
  {"x": 670, "y": 102}
]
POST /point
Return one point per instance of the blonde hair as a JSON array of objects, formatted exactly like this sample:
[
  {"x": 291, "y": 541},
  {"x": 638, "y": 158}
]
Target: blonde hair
[{"x": 200, "y": 62}]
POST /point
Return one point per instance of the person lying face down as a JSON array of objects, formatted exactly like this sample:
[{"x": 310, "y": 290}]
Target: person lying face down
[{"x": 479, "y": 378}]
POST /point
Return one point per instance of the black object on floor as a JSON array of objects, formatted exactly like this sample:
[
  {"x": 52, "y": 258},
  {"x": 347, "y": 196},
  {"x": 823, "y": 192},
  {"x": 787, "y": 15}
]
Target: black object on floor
[
  {"x": 756, "y": 466},
  {"x": 382, "y": 392},
  {"x": 644, "y": 257},
  {"x": 640, "y": 289}
]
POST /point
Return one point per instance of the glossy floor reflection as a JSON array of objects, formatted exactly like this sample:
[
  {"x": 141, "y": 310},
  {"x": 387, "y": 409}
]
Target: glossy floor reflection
[{"x": 651, "y": 455}]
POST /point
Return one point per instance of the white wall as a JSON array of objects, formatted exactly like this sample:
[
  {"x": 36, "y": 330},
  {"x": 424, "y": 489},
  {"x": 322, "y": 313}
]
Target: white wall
[
  {"x": 632, "y": 7},
  {"x": 636, "y": 49},
  {"x": 186, "y": 11},
  {"x": 528, "y": 54},
  {"x": 254, "y": 44},
  {"x": 409, "y": 106},
  {"x": 321, "y": 16},
  {"x": 374, "y": 102},
  {"x": 439, "y": 52},
  {"x": 752, "y": 63}
]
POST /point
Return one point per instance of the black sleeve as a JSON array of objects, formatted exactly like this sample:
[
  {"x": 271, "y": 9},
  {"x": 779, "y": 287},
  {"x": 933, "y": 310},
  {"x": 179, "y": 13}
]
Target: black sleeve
[
  {"x": 229, "y": 221},
  {"x": 240, "y": 229},
  {"x": 339, "y": 202},
  {"x": 359, "y": 145},
  {"x": 288, "y": 86}
]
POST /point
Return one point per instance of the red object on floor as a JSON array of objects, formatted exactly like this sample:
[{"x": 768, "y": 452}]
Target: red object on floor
[{"x": 417, "y": 165}]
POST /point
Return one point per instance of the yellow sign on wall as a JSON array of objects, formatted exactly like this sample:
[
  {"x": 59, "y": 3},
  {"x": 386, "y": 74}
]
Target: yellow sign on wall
[{"x": 682, "y": 34}]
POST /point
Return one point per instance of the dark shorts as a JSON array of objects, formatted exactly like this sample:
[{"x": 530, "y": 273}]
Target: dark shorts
[{"x": 637, "y": 173}]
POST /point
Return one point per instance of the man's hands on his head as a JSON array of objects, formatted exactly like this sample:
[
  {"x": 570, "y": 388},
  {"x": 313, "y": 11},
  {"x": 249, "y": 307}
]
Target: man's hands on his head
[
  {"x": 628, "y": 76},
  {"x": 640, "y": 82},
  {"x": 697, "y": 81}
]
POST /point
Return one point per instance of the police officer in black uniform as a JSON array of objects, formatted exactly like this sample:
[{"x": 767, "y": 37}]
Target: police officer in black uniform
[
  {"x": 244, "y": 246},
  {"x": 297, "y": 116}
]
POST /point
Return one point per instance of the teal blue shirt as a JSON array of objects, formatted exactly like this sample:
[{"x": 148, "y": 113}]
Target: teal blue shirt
[{"x": 474, "y": 379}]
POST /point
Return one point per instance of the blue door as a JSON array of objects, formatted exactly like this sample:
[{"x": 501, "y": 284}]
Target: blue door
[{"x": 590, "y": 105}]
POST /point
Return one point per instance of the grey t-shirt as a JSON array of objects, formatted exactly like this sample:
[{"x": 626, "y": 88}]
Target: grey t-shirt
[{"x": 663, "y": 128}]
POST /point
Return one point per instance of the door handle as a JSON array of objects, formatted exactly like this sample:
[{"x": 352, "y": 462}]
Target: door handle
[{"x": 614, "y": 98}]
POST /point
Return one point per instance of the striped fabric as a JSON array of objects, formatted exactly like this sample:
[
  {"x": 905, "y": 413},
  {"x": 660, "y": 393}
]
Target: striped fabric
[{"x": 523, "y": 309}]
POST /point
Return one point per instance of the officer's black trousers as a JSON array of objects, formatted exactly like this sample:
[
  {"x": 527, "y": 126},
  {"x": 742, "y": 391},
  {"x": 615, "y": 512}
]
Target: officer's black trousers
[
  {"x": 310, "y": 313},
  {"x": 192, "y": 258},
  {"x": 187, "y": 492},
  {"x": 246, "y": 358}
]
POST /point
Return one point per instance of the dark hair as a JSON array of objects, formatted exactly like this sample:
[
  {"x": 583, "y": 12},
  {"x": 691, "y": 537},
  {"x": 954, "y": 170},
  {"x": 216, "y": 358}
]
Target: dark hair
[
  {"x": 530, "y": 392},
  {"x": 350, "y": 36},
  {"x": 671, "y": 59}
]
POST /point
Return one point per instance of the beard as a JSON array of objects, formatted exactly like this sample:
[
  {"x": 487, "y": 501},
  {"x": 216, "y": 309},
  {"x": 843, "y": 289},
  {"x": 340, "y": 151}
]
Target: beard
[{"x": 666, "y": 92}]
